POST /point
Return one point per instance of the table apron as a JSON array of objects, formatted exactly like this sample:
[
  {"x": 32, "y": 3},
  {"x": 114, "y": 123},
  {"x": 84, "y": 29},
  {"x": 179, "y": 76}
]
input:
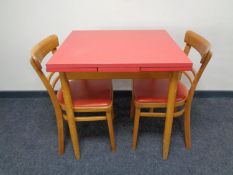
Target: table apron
[{"x": 117, "y": 75}]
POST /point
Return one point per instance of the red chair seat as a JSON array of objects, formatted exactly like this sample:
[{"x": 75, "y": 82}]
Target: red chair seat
[
  {"x": 89, "y": 93},
  {"x": 156, "y": 91}
]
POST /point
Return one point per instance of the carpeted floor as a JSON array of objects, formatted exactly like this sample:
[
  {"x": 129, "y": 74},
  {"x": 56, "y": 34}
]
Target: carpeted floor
[{"x": 28, "y": 141}]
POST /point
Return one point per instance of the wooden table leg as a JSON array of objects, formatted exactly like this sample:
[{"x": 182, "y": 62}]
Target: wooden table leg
[
  {"x": 169, "y": 113},
  {"x": 70, "y": 114}
]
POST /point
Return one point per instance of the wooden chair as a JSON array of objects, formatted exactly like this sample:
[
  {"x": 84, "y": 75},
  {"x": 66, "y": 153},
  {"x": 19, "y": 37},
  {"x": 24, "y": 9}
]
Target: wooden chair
[
  {"x": 151, "y": 94},
  {"x": 88, "y": 96}
]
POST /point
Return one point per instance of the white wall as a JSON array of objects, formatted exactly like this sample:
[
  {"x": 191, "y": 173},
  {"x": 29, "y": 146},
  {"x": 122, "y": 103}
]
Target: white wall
[{"x": 24, "y": 22}]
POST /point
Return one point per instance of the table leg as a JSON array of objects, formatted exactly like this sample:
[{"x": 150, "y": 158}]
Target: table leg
[
  {"x": 70, "y": 114},
  {"x": 169, "y": 113}
]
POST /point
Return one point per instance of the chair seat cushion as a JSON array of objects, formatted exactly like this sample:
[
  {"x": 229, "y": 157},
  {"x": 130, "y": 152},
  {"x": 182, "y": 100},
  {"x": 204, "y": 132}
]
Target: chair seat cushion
[
  {"x": 89, "y": 93},
  {"x": 156, "y": 91}
]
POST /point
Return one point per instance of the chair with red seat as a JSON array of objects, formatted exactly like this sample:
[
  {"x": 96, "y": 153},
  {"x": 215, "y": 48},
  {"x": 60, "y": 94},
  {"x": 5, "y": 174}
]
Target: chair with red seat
[
  {"x": 88, "y": 96},
  {"x": 151, "y": 94}
]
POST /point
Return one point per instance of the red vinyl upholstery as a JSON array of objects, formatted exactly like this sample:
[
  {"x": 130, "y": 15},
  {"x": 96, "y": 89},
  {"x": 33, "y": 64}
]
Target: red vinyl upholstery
[
  {"x": 89, "y": 93},
  {"x": 156, "y": 91}
]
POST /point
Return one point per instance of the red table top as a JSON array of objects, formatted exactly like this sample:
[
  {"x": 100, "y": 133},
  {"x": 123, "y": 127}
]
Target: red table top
[{"x": 118, "y": 51}]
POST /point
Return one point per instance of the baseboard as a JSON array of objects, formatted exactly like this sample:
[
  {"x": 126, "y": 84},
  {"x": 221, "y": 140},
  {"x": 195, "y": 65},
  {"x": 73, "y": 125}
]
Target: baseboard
[
  {"x": 213, "y": 93},
  {"x": 23, "y": 94},
  {"x": 37, "y": 94}
]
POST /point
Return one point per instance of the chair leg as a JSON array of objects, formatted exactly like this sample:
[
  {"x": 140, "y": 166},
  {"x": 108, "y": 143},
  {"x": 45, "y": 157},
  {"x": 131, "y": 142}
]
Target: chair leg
[
  {"x": 132, "y": 109},
  {"x": 187, "y": 130},
  {"x": 135, "y": 129},
  {"x": 111, "y": 131},
  {"x": 74, "y": 139},
  {"x": 60, "y": 125},
  {"x": 61, "y": 140}
]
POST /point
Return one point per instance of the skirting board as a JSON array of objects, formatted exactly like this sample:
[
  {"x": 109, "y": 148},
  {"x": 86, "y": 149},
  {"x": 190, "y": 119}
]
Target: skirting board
[{"x": 37, "y": 94}]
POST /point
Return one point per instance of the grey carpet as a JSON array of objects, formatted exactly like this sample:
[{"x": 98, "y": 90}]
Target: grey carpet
[{"x": 28, "y": 141}]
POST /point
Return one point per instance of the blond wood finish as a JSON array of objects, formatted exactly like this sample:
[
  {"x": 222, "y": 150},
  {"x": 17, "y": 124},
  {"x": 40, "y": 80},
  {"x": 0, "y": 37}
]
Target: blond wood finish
[
  {"x": 196, "y": 41},
  {"x": 87, "y": 118},
  {"x": 192, "y": 40},
  {"x": 188, "y": 76},
  {"x": 72, "y": 119},
  {"x": 169, "y": 113},
  {"x": 116, "y": 75},
  {"x": 70, "y": 114},
  {"x": 107, "y": 75},
  {"x": 44, "y": 47},
  {"x": 111, "y": 131},
  {"x": 37, "y": 54},
  {"x": 90, "y": 109},
  {"x": 47, "y": 45},
  {"x": 135, "y": 128},
  {"x": 54, "y": 82},
  {"x": 160, "y": 114}
]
